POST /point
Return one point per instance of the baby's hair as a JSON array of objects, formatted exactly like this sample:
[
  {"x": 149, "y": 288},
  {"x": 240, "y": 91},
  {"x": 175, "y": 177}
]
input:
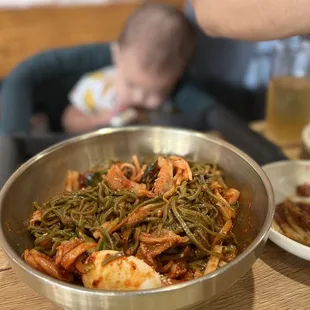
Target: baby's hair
[{"x": 165, "y": 38}]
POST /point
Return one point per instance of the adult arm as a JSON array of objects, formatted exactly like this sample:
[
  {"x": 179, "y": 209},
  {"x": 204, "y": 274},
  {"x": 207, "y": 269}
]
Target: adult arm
[{"x": 253, "y": 20}]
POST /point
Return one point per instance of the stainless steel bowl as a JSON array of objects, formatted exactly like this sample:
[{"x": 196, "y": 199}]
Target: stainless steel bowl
[{"x": 44, "y": 174}]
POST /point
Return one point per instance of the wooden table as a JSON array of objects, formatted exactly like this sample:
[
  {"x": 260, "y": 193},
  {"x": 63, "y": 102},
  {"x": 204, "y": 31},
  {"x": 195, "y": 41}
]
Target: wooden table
[{"x": 278, "y": 280}]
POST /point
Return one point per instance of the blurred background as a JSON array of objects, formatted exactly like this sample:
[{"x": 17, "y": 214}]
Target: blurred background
[
  {"x": 235, "y": 73},
  {"x": 243, "y": 90}
]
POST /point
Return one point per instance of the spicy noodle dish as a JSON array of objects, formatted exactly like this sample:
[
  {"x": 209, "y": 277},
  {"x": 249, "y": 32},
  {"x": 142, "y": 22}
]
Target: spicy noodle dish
[
  {"x": 292, "y": 218},
  {"x": 136, "y": 225}
]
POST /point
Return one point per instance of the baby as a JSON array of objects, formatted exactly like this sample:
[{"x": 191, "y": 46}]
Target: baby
[{"x": 149, "y": 58}]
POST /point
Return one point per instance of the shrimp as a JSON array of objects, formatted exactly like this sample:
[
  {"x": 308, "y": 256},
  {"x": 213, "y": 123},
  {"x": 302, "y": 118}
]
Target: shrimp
[
  {"x": 36, "y": 217},
  {"x": 72, "y": 181},
  {"x": 117, "y": 180},
  {"x": 184, "y": 172},
  {"x": 232, "y": 196},
  {"x": 177, "y": 269},
  {"x": 68, "y": 252},
  {"x": 45, "y": 264},
  {"x": 132, "y": 169},
  {"x": 166, "y": 180}
]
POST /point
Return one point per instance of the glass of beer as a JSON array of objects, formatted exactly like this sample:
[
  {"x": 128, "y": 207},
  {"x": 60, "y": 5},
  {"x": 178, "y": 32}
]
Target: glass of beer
[{"x": 288, "y": 99}]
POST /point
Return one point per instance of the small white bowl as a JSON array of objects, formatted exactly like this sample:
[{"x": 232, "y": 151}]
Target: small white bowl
[
  {"x": 305, "y": 136},
  {"x": 285, "y": 176}
]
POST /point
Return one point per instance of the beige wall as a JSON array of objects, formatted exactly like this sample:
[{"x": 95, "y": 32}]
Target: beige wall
[{"x": 26, "y": 32}]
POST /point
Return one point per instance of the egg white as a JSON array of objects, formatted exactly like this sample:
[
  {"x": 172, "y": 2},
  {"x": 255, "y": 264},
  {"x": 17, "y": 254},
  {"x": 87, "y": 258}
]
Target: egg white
[{"x": 123, "y": 273}]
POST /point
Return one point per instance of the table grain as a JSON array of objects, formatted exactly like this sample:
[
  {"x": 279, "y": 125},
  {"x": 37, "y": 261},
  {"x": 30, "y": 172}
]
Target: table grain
[{"x": 277, "y": 281}]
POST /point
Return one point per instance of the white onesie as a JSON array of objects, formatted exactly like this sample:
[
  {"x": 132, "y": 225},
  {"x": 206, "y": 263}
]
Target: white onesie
[{"x": 95, "y": 92}]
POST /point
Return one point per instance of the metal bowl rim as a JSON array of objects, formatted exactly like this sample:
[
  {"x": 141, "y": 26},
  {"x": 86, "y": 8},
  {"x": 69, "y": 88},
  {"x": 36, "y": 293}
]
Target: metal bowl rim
[{"x": 105, "y": 131}]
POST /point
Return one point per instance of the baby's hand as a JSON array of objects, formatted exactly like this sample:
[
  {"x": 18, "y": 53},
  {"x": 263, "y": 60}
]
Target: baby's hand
[
  {"x": 124, "y": 118},
  {"x": 105, "y": 116}
]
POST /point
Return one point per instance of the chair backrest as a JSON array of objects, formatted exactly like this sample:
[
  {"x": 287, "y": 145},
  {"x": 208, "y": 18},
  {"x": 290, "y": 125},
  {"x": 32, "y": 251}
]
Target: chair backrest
[{"x": 42, "y": 83}]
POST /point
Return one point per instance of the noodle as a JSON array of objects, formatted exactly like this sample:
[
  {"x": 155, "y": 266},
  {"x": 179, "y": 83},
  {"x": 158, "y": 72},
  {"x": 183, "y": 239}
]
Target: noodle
[{"x": 184, "y": 222}]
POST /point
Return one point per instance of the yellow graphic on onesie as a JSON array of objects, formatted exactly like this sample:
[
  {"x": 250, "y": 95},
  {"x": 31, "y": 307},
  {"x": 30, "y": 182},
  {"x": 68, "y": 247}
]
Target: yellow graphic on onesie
[{"x": 95, "y": 92}]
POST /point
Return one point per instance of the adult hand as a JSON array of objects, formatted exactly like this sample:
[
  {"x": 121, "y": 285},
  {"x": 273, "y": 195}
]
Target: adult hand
[{"x": 253, "y": 20}]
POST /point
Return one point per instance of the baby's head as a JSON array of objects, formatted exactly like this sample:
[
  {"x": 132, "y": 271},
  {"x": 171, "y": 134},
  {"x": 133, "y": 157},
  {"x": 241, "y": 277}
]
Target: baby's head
[{"x": 151, "y": 54}]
